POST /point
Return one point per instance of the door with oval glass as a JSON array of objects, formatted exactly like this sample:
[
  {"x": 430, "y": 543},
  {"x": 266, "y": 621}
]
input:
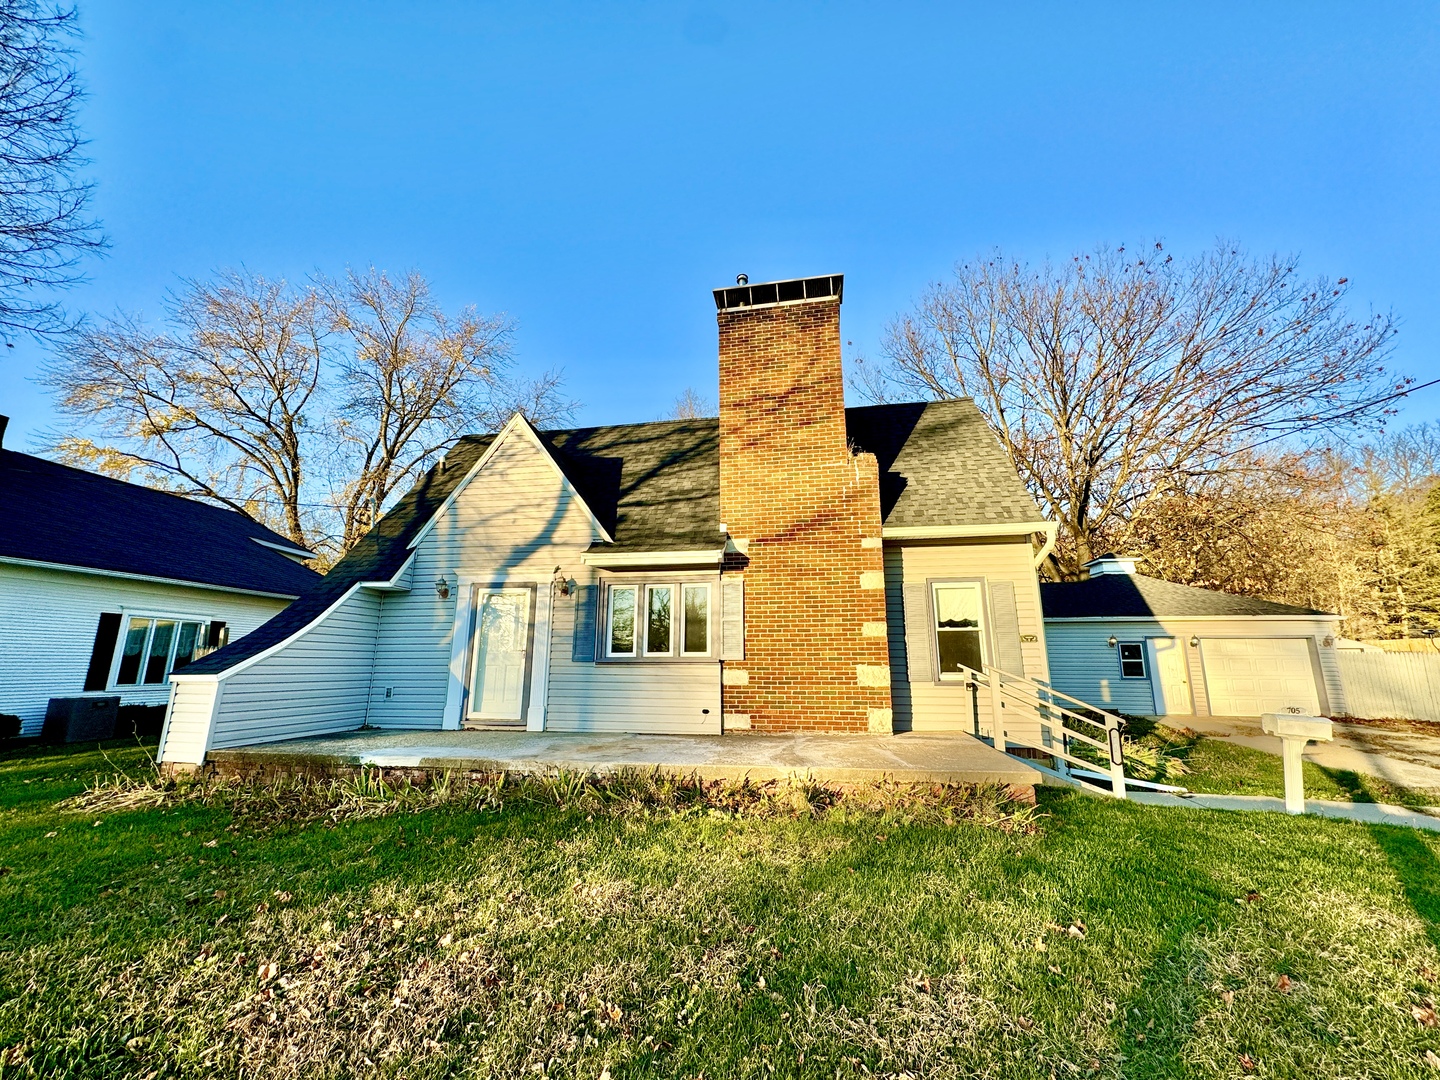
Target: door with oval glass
[{"x": 502, "y": 646}]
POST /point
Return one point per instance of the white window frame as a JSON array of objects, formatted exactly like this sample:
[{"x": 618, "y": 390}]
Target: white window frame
[
  {"x": 643, "y": 589},
  {"x": 1142, "y": 659},
  {"x": 709, "y": 618},
  {"x": 635, "y": 633},
  {"x": 983, "y": 630},
  {"x": 154, "y": 617}
]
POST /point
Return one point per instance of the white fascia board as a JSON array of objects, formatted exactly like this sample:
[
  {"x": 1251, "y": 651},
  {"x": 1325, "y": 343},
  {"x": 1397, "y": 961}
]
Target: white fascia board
[
  {"x": 288, "y": 550},
  {"x": 70, "y": 568},
  {"x": 395, "y": 582},
  {"x": 605, "y": 559},
  {"x": 516, "y": 423},
  {"x": 251, "y": 661},
  {"x": 945, "y": 532},
  {"x": 1187, "y": 618}
]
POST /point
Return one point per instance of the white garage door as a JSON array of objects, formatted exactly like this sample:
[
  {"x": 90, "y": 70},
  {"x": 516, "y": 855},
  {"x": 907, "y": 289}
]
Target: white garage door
[{"x": 1250, "y": 676}]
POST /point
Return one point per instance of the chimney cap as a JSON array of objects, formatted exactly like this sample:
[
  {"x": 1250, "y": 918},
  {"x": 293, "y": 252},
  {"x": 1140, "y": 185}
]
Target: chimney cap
[
  {"x": 769, "y": 293},
  {"x": 742, "y": 279}
]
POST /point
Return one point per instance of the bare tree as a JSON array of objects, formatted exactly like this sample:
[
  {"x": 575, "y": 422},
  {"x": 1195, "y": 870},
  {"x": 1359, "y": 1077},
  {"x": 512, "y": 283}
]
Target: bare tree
[
  {"x": 691, "y": 405},
  {"x": 305, "y": 407},
  {"x": 219, "y": 405},
  {"x": 45, "y": 227},
  {"x": 412, "y": 380},
  {"x": 1116, "y": 380}
]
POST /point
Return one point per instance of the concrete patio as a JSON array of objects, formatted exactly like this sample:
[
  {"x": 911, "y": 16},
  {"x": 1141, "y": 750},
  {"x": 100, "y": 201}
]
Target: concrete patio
[{"x": 845, "y": 759}]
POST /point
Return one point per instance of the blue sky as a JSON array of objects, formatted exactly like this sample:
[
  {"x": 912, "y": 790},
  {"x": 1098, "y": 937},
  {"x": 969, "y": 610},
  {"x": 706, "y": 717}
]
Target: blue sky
[{"x": 594, "y": 170}]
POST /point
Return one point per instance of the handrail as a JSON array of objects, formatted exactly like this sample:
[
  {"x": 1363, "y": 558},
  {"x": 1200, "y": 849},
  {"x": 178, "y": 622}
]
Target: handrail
[{"x": 1049, "y": 714}]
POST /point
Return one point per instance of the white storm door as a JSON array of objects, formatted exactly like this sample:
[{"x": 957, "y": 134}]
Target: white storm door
[
  {"x": 502, "y": 634},
  {"x": 1170, "y": 677}
]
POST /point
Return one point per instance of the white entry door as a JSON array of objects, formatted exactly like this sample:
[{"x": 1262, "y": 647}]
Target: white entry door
[
  {"x": 1170, "y": 677},
  {"x": 502, "y": 634},
  {"x": 1250, "y": 676}
]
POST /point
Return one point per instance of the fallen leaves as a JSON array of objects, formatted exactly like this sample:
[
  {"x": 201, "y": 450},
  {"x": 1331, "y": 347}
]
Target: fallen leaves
[
  {"x": 1247, "y": 1063},
  {"x": 1284, "y": 984},
  {"x": 1424, "y": 1013}
]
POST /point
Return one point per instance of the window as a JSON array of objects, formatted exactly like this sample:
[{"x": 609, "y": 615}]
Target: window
[
  {"x": 622, "y": 621},
  {"x": 153, "y": 647},
  {"x": 959, "y": 612},
  {"x": 656, "y": 621},
  {"x": 1132, "y": 660},
  {"x": 695, "y": 637}
]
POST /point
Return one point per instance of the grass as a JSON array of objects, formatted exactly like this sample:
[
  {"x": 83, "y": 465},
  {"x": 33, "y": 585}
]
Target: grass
[
  {"x": 1216, "y": 766},
  {"x": 566, "y": 929}
]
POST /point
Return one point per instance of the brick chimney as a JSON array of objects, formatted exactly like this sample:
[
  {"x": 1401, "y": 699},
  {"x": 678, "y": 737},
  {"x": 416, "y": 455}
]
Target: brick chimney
[{"x": 803, "y": 512}]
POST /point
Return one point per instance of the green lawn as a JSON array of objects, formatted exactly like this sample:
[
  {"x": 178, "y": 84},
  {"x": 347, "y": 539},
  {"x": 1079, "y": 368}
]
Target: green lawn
[
  {"x": 1217, "y": 766},
  {"x": 544, "y": 931}
]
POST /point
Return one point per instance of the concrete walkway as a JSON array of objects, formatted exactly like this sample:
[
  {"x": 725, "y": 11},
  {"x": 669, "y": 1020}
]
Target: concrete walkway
[
  {"x": 1369, "y": 813},
  {"x": 1408, "y": 758},
  {"x": 950, "y": 758}
]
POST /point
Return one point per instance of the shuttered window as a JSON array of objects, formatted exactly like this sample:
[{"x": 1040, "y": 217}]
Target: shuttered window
[
  {"x": 655, "y": 621},
  {"x": 154, "y": 646}
]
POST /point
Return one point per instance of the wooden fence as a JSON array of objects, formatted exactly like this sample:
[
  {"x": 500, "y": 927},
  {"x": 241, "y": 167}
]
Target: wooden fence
[{"x": 1379, "y": 685}]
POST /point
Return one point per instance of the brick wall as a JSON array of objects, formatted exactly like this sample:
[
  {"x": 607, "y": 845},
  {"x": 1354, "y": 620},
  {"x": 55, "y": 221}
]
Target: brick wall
[{"x": 805, "y": 513}]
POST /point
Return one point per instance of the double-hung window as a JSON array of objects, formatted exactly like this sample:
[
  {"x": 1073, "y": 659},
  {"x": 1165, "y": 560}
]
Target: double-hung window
[
  {"x": 958, "y": 610},
  {"x": 1132, "y": 660},
  {"x": 657, "y": 620},
  {"x": 153, "y": 647}
]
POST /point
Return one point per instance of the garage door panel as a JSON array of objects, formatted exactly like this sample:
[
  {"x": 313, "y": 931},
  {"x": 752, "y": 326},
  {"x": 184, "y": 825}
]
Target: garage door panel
[{"x": 1249, "y": 676}]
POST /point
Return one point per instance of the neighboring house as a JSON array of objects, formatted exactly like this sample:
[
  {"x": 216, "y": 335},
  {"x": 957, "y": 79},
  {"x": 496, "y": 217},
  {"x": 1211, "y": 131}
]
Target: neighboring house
[
  {"x": 108, "y": 587},
  {"x": 1136, "y": 644},
  {"x": 793, "y": 565}
]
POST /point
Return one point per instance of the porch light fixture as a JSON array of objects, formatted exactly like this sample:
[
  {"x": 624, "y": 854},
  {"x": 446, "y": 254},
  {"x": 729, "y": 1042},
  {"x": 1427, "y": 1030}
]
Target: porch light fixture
[
  {"x": 1113, "y": 641},
  {"x": 1194, "y": 642},
  {"x": 442, "y": 588},
  {"x": 561, "y": 582}
]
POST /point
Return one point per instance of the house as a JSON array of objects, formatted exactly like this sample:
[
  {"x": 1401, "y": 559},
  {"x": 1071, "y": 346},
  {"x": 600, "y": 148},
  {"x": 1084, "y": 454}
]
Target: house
[
  {"x": 1140, "y": 645},
  {"x": 108, "y": 587},
  {"x": 793, "y": 565}
]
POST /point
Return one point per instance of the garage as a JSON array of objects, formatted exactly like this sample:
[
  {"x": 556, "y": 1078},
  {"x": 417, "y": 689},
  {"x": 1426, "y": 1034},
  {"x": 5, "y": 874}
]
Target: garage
[
  {"x": 1137, "y": 645},
  {"x": 1249, "y": 676}
]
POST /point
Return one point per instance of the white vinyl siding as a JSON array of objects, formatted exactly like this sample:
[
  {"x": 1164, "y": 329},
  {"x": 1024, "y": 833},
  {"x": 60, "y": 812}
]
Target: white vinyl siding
[
  {"x": 669, "y": 697},
  {"x": 187, "y": 724},
  {"x": 47, "y": 630},
  {"x": 315, "y": 685},
  {"x": 512, "y": 524},
  {"x": 1083, "y": 663},
  {"x": 925, "y": 704}
]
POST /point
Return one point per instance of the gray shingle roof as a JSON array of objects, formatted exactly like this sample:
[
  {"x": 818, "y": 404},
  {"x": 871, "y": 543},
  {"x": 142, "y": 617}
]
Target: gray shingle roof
[
  {"x": 656, "y": 487},
  {"x": 1139, "y": 597},
  {"x": 55, "y": 514}
]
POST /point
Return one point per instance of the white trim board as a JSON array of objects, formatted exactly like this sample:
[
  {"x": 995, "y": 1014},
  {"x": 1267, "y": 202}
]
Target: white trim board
[
  {"x": 70, "y": 568},
  {"x": 606, "y": 559},
  {"x": 946, "y": 532},
  {"x": 1157, "y": 619},
  {"x": 516, "y": 423}
]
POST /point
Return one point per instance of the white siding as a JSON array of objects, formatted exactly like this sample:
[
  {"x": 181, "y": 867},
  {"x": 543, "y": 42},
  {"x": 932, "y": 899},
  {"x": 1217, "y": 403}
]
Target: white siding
[
  {"x": 931, "y": 705},
  {"x": 667, "y": 698},
  {"x": 47, "y": 630},
  {"x": 187, "y": 724},
  {"x": 514, "y": 523},
  {"x": 313, "y": 686},
  {"x": 1083, "y": 664}
]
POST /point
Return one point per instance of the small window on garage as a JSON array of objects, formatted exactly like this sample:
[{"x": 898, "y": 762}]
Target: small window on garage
[{"x": 1132, "y": 660}]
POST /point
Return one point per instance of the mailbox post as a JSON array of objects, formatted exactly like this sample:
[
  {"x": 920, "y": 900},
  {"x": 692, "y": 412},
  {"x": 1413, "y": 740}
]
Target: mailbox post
[{"x": 1294, "y": 732}]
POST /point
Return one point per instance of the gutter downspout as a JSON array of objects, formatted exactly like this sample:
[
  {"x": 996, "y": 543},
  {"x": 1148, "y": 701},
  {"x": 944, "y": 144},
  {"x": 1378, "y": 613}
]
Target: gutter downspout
[{"x": 1046, "y": 548}]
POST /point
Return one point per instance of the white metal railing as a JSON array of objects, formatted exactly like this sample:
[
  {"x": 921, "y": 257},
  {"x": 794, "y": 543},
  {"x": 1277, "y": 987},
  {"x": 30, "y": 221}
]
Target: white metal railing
[{"x": 1059, "y": 719}]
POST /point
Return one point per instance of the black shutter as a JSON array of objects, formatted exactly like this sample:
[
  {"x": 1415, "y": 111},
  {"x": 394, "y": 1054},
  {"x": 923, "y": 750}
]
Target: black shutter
[
  {"x": 582, "y": 649},
  {"x": 217, "y": 636},
  {"x": 97, "y": 676}
]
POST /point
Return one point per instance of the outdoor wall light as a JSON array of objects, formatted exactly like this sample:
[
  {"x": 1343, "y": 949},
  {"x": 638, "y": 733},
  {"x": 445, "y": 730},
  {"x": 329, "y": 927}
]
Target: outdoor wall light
[
  {"x": 1194, "y": 642},
  {"x": 1113, "y": 641},
  {"x": 561, "y": 582},
  {"x": 442, "y": 588}
]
